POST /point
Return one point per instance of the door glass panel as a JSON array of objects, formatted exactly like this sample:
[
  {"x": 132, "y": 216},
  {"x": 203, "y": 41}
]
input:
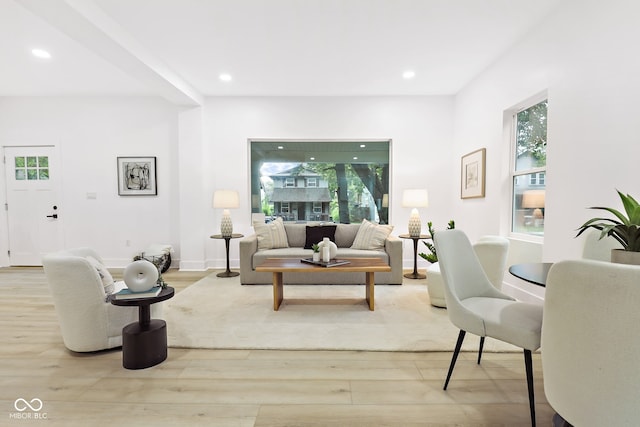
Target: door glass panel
[{"x": 32, "y": 168}]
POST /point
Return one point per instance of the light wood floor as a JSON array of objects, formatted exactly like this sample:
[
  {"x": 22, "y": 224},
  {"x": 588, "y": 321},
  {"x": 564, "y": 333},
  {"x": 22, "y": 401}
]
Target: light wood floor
[{"x": 244, "y": 388}]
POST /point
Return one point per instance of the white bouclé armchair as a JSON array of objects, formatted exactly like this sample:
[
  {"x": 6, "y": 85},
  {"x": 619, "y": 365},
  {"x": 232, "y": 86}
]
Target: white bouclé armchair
[{"x": 87, "y": 321}]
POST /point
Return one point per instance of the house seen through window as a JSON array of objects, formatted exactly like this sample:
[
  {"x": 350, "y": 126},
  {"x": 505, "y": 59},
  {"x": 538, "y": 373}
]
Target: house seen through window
[
  {"x": 529, "y": 169},
  {"x": 327, "y": 181}
]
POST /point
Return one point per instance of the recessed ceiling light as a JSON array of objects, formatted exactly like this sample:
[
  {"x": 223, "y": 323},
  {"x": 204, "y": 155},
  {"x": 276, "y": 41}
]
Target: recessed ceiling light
[
  {"x": 362, "y": 145},
  {"x": 40, "y": 53},
  {"x": 225, "y": 77},
  {"x": 409, "y": 74},
  {"x": 280, "y": 147},
  {"x": 312, "y": 158},
  {"x": 355, "y": 158}
]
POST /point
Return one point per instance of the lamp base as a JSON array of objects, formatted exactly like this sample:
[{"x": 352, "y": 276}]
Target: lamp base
[
  {"x": 226, "y": 226},
  {"x": 415, "y": 225}
]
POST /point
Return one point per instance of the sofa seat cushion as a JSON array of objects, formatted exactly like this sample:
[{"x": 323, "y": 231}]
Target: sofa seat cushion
[
  {"x": 260, "y": 256},
  {"x": 361, "y": 253}
]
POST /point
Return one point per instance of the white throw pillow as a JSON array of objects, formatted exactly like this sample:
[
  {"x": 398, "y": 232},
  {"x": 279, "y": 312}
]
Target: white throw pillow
[
  {"x": 371, "y": 236},
  {"x": 271, "y": 235},
  {"x": 105, "y": 276}
]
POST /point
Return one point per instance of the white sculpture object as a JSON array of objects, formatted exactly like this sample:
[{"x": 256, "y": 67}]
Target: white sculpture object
[
  {"x": 333, "y": 249},
  {"x": 140, "y": 276}
]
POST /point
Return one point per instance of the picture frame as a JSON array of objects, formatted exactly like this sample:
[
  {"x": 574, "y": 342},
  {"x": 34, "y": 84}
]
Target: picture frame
[
  {"x": 472, "y": 182},
  {"x": 137, "y": 176}
]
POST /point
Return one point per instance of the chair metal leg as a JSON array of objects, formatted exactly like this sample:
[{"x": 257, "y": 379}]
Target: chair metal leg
[
  {"x": 454, "y": 357},
  {"x": 480, "y": 349},
  {"x": 529, "y": 367}
]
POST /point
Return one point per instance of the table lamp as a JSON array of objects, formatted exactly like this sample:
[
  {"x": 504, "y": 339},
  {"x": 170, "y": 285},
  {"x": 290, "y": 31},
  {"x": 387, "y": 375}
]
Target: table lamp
[
  {"x": 534, "y": 199},
  {"x": 415, "y": 198},
  {"x": 226, "y": 199}
]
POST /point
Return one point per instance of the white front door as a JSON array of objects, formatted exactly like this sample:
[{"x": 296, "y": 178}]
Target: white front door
[{"x": 33, "y": 209}]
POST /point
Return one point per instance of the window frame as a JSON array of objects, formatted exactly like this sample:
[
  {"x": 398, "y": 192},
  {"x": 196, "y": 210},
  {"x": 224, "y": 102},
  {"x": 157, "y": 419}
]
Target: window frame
[
  {"x": 301, "y": 151},
  {"x": 512, "y": 115}
]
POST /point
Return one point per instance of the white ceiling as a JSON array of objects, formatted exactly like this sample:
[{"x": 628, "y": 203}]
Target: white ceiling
[{"x": 178, "y": 48}]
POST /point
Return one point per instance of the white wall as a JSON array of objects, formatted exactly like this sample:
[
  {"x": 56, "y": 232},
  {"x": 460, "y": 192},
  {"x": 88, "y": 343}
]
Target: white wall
[
  {"x": 420, "y": 128},
  {"x": 583, "y": 57},
  {"x": 200, "y": 150},
  {"x": 90, "y": 133}
]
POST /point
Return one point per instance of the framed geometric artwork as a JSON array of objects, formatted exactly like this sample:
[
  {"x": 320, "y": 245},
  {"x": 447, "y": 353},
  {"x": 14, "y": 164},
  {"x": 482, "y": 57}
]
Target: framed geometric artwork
[
  {"x": 473, "y": 174},
  {"x": 137, "y": 176}
]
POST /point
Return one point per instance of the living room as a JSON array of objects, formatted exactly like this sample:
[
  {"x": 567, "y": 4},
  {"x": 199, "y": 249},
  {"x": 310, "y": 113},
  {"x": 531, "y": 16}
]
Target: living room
[
  {"x": 579, "y": 56},
  {"x": 199, "y": 148}
]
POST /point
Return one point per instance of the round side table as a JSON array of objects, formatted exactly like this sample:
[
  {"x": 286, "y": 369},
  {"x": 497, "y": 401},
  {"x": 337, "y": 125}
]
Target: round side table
[
  {"x": 415, "y": 274},
  {"x": 228, "y": 272},
  {"x": 144, "y": 343}
]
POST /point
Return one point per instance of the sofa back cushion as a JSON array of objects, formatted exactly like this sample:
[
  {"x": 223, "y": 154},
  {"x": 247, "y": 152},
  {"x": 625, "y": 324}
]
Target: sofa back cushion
[
  {"x": 371, "y": 236},
  {"x": 272, "y": 235},
  {"x": 296, "y": 234},
  {"x": 315, "y": 234},
  {"x": 345, "y": 233}
]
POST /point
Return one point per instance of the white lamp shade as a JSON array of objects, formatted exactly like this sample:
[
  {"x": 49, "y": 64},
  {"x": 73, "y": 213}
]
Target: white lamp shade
[
  {"x": 226, "y": 199},
  {"x": 415, "y": 198},
  {"x": 533, "y": 199}
]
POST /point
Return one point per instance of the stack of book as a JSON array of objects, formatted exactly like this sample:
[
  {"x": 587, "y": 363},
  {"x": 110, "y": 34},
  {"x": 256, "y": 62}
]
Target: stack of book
[
  {"x": 127, "y": 293},
  {"x": 331, "y": 263}
]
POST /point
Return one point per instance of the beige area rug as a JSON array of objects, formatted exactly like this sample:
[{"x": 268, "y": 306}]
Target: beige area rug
[{"x": 220, "y": 313}]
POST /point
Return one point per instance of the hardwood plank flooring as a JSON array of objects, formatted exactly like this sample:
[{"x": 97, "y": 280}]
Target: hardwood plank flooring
[{"x": 244, "y": 387}]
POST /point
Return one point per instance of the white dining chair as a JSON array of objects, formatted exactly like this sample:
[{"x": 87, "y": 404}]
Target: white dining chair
[{"x": 474, "y": 305}]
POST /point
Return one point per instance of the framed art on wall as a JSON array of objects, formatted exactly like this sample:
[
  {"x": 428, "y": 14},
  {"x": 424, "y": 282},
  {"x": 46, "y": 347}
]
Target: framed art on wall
[
  {"x": 473, "y": 175},
  {"x": 137, "y": 176}
]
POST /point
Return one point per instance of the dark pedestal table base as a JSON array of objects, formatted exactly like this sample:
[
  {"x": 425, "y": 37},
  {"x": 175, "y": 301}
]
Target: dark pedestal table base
[{"x": 144, "y": 347}]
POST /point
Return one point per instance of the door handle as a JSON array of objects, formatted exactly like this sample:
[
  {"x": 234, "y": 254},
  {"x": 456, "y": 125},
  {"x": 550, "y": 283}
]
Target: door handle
[{"x": 54, "y": 215}]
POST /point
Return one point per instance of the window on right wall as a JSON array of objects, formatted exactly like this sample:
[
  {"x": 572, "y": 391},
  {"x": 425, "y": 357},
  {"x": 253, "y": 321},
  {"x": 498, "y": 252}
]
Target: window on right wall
[{"x": 529, "y": 168}]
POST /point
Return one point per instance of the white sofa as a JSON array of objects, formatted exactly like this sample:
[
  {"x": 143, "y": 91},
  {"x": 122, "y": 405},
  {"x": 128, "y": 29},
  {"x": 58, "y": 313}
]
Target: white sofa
[
  {"x": 296, "y": 236},
  {"x": 77, "y": 279}
]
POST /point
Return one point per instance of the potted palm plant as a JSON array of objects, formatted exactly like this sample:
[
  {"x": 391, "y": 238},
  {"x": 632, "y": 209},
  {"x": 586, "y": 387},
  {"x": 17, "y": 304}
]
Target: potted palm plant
[
  {"x": 625, "y": 228},
  {"x": 432, "y": 256}
]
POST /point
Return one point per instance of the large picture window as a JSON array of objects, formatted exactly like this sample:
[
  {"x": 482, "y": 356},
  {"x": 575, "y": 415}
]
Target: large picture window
[
  {"x": 328, "y": 181},
  {"x": 529, "y": 147}
]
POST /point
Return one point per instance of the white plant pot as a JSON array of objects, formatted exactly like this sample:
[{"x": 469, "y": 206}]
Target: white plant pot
[
  {"x": 316, "y": 256},
  {"x": 620, "y": 256}
]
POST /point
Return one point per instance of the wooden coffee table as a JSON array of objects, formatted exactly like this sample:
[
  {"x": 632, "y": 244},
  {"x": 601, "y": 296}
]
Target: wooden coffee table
[{"x": 278, "y": 266}]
